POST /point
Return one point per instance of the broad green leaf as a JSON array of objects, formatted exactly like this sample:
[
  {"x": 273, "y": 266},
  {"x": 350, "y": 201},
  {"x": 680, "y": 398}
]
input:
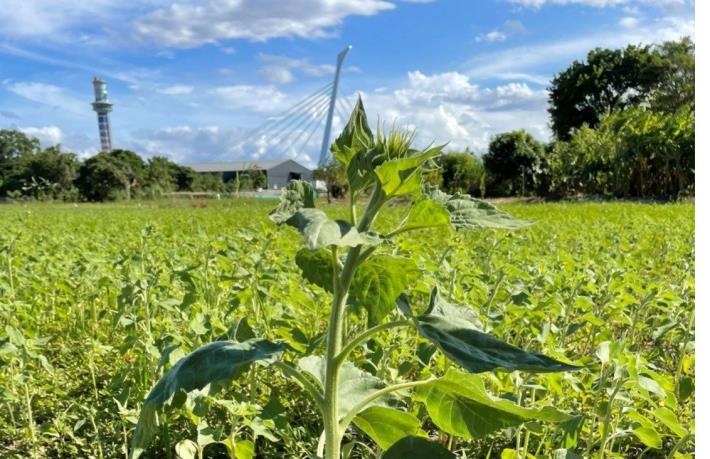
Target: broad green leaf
[
  {"x": 456, "y": 331},
  {"x": 186, "y": 449},
  {"x": 570, "y": 431},
  {"x": 402, "y": 176},
  {"x": 297, "y": 195},
  {"x": 459, "y": 404},
  {"x": 670, "y": 420},
  {"x": 386, "y": 425},
  {"x": 427, "y": 213},
  {"x": 217, "y": 362},
  {"x": 319, "y": 231},
  {"x": 317, "y": 267},
  {"x": 417, "y": 448},
  {"x": 354, "y": 386},
  {"x": 360, "y": 170},
  {"x": 240, "y": 449},
  {"x": 471, "y": 213},
  {"x": 648, "y": 437},
  {"x": 356, "y": 136},
  {"x": 379, "y": 281}
]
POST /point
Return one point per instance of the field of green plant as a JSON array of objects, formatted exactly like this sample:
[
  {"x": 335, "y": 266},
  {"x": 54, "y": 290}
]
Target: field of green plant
[{"x": 97, "y": 302}]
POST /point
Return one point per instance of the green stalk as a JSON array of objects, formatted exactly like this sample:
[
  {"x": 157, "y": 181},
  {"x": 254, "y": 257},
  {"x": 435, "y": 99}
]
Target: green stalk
[{"x": 341, "y": 287}]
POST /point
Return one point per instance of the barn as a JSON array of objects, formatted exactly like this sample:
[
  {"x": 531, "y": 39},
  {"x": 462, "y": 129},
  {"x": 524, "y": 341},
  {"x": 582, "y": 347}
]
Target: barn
[{"x": 278, "y": 171}]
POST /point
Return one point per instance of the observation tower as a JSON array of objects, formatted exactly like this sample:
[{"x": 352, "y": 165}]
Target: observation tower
[{"x": 102, "y": 107}]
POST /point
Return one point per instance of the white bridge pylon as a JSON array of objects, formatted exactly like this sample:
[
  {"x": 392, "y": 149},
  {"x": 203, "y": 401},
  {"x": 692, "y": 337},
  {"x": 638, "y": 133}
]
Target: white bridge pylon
[{"x": 291, "y": 132}]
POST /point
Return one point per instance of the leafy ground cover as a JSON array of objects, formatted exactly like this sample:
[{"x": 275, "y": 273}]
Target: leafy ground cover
[{"x": 98, "y": 302}]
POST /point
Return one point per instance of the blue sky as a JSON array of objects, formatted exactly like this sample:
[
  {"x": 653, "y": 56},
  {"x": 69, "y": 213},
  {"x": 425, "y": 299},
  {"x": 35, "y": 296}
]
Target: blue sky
[{"x": 191, "y": 79}]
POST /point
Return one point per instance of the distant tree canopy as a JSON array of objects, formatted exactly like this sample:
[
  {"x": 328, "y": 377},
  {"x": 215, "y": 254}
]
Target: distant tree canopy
[
  {"x": 514, "y": 160},
  {"x": 662, "y": 76},
  {"x": 461, "y": 172},
  {"x": 28, "y": 171}
]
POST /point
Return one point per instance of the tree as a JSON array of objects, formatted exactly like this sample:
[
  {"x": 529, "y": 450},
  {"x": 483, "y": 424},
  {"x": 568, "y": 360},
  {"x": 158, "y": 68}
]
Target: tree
[
  {"x": 336, "y": 181},
  {"x": 514, "y": 159},
  {"x": 106, "y": 175},
  {"x": 677, "y": 87},
  {"x": 461, "y": 172},
  {"x": 612, "y": 79},
  {"x": 49, "y": 173},
  {"x": 14, "y": 145}
]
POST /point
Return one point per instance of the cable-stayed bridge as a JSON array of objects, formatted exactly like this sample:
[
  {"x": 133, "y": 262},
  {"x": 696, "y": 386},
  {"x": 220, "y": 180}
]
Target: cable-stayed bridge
[{"x": 307, "y": 126}]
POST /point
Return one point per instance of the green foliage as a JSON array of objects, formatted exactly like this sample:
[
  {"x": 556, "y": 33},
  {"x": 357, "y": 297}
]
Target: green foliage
[
  {"x": 119, "y": 304},
  {"x": 634, "y": 153},
  {"x": 613, "y": 79},
  {"x": 461, "y": 173},
  {"x": 457, "y": 332},
  {"x": 515, "y": 162},
  {"x": 417, "y": 448}
]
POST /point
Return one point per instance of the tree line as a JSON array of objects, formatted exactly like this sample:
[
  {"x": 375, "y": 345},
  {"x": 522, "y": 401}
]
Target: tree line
[
  {"x": 29, "y": 172},
  {"x": 623, "y": 124}
]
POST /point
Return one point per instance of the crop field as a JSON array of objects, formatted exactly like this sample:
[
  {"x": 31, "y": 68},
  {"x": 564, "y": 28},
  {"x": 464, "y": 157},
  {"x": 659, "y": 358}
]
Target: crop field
[{"x": 97, "y": 302}]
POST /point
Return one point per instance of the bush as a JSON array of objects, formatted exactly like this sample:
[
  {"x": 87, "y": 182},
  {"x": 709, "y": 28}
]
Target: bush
[{"x": 632, "y": 153}]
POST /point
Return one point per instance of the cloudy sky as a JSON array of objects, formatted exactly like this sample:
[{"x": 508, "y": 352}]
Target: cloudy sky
[{"x": 194, "y": 80}]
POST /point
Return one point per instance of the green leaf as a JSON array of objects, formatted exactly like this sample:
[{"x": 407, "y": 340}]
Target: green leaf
[
  {"x": 402, "y": 176},
  {"x": 186, "y": 449},
  {"x": 565, "y": 454},
  {"x": 317, "y": 267},
  {"x": 649, "y": 437},
  {"x": 456, "y": 331},
  {"x": 386, "y": 425},
  {"x": 459, "y": 404},
  {"x": 356, "y": 136},
  {"x": 241, "y": 449},
  {"x": 355, "y": 385},
  {"x": 427, "y": 213},
  {"x": 217, "y": 362},
  {"x": 471, "y": 213},
  {"x": 297, "y": 195},
  {"x": 319, "y": 231},
  {"x": 670, "y": 420},
  {"x": 417, "y": 448},
  {"x": 379, "y": 281}
]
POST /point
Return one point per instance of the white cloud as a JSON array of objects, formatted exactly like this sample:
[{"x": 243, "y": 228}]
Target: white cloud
[
  {"x": 176, "y": 90},
  {"x": 257, "y": 98},
  {"x": 48, "y": 94},
  {"x": 47, "y": 135},
  {"x": 36, "y": 18},
  {"x": 524, "y": 62},
  {"x": 629, "y": 22},
  {"x": 208, "y": 21},
  {"x": 448, "y": 107},
  {"x": 276, "y": 74},
  {"x": 594, "y": 3},
  {"x": 503, "y": 33}
]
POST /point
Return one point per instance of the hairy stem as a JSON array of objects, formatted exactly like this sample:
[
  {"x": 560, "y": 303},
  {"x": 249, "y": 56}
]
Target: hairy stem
[{"x": 374, "y": 396}]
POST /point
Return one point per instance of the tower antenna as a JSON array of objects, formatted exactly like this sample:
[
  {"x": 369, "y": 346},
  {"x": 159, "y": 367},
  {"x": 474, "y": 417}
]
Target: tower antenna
[{"x": 102, "y": 107}]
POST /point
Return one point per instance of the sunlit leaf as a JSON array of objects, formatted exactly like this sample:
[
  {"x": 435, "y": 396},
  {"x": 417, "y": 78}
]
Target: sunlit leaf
[
  {"x": 356, "y": 135},
  {"x": 379, "y": 281},
  {"x": 402, "y": 176},
  {"x": 319, "y": 231},
  {"x": 354, "y": 386},
  {"x": 467, "y": 212},
  {"x": 217, "y": 362},
  {"x": 386, "y": 425},
  {"x": 297, "y": 195},
  {"x": 459, "y": 404}
]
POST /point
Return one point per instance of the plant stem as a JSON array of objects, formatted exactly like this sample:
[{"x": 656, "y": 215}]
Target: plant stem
[
  {"x": 364, "y": 336},
  {"x": 341, "y": 286},
  {"x": 347, "y": 419},
  {"x": 311, "y": 388}
]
